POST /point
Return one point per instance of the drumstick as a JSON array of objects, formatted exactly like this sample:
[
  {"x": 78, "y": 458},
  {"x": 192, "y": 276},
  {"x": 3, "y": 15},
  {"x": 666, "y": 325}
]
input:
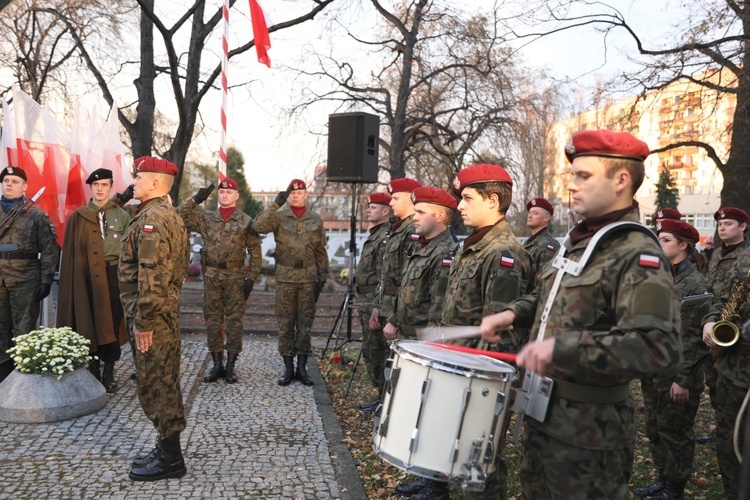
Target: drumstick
[{"x": 502, "y": 356}]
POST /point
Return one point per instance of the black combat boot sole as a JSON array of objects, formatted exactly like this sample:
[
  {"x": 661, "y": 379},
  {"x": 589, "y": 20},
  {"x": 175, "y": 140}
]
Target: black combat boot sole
[{"x": 163, "y": 475}]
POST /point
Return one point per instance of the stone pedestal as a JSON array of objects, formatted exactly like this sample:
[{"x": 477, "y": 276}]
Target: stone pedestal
[{"x": 33, "y": 398}]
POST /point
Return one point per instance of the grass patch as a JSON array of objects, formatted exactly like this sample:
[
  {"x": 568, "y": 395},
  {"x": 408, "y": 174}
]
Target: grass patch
[{"x": 379, "y": 478}]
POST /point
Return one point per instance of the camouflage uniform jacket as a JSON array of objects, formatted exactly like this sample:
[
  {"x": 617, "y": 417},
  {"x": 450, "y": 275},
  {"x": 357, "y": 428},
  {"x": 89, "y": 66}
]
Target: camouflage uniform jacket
[
  {"x": 484, "y": 278},
  {"x": 34, "y": 233},
  {"x": 734, "y": 361},
  {"x": 301, "y": 255},
  {"x": 617, "y": 321},
  {"x": 398, "y": 248},
  {"x": 368, "y": 269},
  {"x": 225, "y": 241},
  {"x": 689, "y": 282},
  {"x": 719, "y": 273},
  {"x": 420, "y": 298},
  {"x": 542, "y": 246},
  {"x": 153, "y": 263}
]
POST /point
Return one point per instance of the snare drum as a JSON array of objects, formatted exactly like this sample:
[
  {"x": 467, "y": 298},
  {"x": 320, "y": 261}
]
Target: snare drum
[{"x": 442, "y": 413}]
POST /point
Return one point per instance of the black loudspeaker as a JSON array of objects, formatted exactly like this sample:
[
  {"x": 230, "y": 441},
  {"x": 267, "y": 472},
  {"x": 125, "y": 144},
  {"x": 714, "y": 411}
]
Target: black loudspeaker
[{"x": 353, "y": 147}]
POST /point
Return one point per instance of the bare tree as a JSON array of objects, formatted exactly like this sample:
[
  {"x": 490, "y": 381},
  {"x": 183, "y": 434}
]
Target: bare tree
[
  {"x": 189, "y": 77},
  {"x": 445, "y": 85}
]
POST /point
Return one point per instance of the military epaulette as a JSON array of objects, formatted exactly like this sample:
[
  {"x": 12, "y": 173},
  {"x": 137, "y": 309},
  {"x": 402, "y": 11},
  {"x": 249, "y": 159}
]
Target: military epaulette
[{"x": 646, "y": 260}]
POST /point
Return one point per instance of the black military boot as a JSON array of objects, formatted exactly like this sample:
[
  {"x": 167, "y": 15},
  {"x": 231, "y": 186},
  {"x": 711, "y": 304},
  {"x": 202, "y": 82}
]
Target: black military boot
[
  {"x": 288, "y": 376},
  {"x": 412, "y": 488},
  {"x": 108, "y": 377},
  {"x": 167, "y": 463},
  {"x": 146, "y": 459},
  {"x": 673, "y": 491},
  {"x": 231, "y": 378},
  {"x": 217, "y": 371},
  {"x": 95, "y": 369},
  {"x": 652, "y": 489},
  {"x": 6, "y": 369},
  {"x": 302, "y": 375},
  {"x": 435, "y": 490}
]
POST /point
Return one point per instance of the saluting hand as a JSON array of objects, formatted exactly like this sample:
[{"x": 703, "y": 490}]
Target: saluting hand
[
  {"x": 143, "y": 340},
  {"x": 535, "y": 356},
  {"x": 495, "y": 323}
]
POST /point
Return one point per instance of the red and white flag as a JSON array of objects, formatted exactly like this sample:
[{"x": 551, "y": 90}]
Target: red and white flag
[{"x": 260, "y": 33}]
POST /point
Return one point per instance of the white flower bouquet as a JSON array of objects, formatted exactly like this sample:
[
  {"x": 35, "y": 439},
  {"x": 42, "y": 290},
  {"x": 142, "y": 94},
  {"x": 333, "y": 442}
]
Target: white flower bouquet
[{"x": 50, "y": 351}]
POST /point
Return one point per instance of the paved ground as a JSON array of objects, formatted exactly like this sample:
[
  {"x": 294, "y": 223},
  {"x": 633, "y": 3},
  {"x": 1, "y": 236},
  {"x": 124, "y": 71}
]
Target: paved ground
[{"x": 253, "y": 439}]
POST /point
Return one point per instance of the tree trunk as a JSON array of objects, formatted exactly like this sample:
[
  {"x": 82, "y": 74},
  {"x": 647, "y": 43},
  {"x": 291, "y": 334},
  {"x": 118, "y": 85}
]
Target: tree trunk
[{"x": 142, "y": 132}]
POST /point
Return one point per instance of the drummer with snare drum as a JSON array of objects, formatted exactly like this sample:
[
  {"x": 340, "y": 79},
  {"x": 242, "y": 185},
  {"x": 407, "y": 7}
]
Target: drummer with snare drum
[
  {"x": 608, "y": 322},
  {"x": 489, "y": 271}
]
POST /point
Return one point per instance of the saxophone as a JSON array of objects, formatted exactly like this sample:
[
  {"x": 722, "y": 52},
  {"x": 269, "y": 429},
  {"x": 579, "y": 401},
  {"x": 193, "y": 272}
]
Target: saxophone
[{"x": 725, "y": 332}]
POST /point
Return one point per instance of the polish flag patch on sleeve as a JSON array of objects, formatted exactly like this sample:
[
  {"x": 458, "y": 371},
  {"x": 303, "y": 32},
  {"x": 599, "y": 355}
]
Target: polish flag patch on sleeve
[
  {"x": 507, "y": 261},
  {"x": 646, "y": 260},
  {"x": 414, "y": 237},
  {"x": 550, "y": 248},
  {"x": 446, "y": 263},
  {"x": 148, "y": 228}
]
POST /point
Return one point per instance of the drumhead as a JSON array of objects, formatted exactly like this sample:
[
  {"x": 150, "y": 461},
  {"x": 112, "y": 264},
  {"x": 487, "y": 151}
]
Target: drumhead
[{"x": 439, "y": 358}]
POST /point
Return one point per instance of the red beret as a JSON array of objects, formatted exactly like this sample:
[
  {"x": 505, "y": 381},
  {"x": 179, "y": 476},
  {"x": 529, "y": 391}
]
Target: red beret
[
  {"x": 679, "y": 228},
  {"x": 541, "y": 203},
  {"x": 228, "y": 183},
  {"x": 474, "y": 174},
  {"x": 297, "y": 184},
  {"x": 379, "y": 199},
  {"x": 11, "y": 170},
  {"x": 732, "y": 213},
  {"x": 667, "y": 213},
  {"x": 606, "y": 143},
  {"x": 156, "y": 165},
  {"x": 404, "y": 185},
  {"x": 435, "y": 196}
]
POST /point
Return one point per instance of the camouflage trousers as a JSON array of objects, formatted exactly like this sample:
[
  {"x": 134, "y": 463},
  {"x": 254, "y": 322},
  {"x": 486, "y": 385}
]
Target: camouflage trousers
[
  {"x": 158, "y": 375},
  {"x": 711, "y": 377},
  {"x": 19, "y": 313},
  {"x": 295, "y": 312},
  {"x": 223, "y": 303},
  {"x": 496, "y": 487},
  {"x": 553, "y": 469},
  {"x": 669, "y": 428},
  {"x": 728, "y": 402},
  {"x": 374, "y": 350}
]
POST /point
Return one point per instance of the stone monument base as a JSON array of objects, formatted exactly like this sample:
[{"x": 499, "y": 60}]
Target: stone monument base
[{"x": 34, "y": 398}]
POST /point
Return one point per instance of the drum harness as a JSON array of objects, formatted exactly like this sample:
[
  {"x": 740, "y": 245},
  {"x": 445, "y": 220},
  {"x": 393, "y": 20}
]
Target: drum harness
[{"x": 532, "y": 398}]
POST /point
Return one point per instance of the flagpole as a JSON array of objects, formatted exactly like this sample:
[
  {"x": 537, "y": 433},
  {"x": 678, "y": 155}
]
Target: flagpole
[{"x": 224, "y": 64}]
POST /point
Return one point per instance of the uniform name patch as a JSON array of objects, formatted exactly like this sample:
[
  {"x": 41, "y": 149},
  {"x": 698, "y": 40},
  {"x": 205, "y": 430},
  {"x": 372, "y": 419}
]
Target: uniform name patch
[
  {"x": 649, "y": 261},
  {"x": 148, "y": 228},
  {"x": 507, "y": 261},
  {"x": 446, "y": 263}
]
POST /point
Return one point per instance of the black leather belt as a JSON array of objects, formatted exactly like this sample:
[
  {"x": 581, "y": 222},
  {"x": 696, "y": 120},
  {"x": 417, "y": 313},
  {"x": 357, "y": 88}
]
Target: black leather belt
[
  {"x": 390, "y": 290},
  {"x": 225, "y": 265},
  {"x": 18, "y": 256},
  {"x": 128, "y": 287}
]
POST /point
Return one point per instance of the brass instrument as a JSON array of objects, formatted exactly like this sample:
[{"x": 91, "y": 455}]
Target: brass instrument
[{"x": 725, "y": 332}]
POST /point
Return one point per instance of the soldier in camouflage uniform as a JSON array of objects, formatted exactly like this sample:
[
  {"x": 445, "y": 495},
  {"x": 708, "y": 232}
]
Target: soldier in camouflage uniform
[
  {"x": 672, "y": 403},
  {"x": 732, "y": 225},
  {"x": 616, "y": 321},
  {"x": 301, "y": 273},
  {"x": 374, "y": 346},
  {"x": 541, "y": 244},
  {"x": 732, "y": 363},
  {"x": 490, "y": 270},
  {"x": 228, "y": 239},
  {"x": 420, "y": 298},
  {"x": 25, "y": 279},
  {"x": 400, "y": 245},
  {"x": 153, "y": 264}
]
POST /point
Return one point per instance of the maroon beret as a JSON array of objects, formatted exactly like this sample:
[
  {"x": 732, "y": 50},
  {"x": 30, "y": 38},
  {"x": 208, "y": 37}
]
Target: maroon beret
[
  {"x": 228, "y": 183},
  {"x": 732, "y": 213},
  {"x": 404, "y": 185},
  {"x": 678, "y": 227},
  {"x": 541, "y": 203},
  {"x": 379, "y": 199},
  {"x": 297, "y": 184},
  {"x": 155, "y": 165},
  {"x": 435, "y": 196},
  {"x": 667, "y": 213},
  {"x": 606, "y": 143},
  {"x": 474, "y": 174},
  {"x": 11, "y": 170}
]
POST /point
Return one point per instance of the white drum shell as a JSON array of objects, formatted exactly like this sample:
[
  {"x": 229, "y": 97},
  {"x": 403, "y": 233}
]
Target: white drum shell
[{"x": 438, "y": 434}]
